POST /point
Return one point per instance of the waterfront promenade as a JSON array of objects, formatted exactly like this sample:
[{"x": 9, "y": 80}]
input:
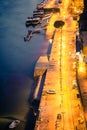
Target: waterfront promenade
[{"x": 63, "y": 109}]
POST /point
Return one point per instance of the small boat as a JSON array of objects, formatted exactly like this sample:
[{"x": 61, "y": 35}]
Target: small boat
[
  {"x": 38, "y": 15},
  {"x": 38, "y": 12},
  {"x": 44, "y": 26},
  {"x": 36, "y": 31},
  {"x": 43, "y": 2},
  {"x": 41, "y": 66},
  {"x": 40, "y": 6},
  {"x": 29, "y": 18},
  {"x": 36, "y": 20},
  {"x": 28, "y": 21},
  {"x": 32, "y": 21},
  {"x": 45, "y": 17},
  {"x": 14, "y": 124},
  {"x": 29, "y": 35}
]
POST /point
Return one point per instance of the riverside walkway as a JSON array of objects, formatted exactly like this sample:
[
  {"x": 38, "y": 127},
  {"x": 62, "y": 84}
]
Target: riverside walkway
[{"x": 61, "y": 110}]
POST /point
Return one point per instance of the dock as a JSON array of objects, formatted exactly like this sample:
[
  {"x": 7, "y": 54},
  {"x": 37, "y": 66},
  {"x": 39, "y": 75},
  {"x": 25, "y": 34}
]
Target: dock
[
  {"x": 63, "y": 109},
  {"x": 41, "y": 66}
]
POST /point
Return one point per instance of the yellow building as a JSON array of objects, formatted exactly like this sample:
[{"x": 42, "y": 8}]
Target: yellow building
[
  {"x": 78, "y": 6},
  {"x": 78, "y": 3},
  {"x": 85, "y": 53}
]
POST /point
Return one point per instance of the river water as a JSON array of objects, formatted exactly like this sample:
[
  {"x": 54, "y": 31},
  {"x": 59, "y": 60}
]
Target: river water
[{"x": 17, "y": 58}]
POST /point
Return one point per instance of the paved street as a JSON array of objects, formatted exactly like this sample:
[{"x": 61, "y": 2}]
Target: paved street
[{"x": 62, "y": 110}]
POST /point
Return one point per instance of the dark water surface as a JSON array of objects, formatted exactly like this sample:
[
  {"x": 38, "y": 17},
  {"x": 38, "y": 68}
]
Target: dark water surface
[{"x": 17, "y": 58}]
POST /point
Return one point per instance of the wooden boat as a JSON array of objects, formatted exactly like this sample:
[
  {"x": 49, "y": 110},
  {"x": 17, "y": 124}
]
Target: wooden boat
[
  {"x": 32, "y": 21},
  {"x": 38, "y": 12},
  {"x": 29, "y": 35},
  {"x": 14, "y": 124},
  {"x": 40, "y": 6},
  {"x": 37, "y": 15}
]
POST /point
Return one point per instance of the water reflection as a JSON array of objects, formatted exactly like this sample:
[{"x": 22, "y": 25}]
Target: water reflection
[{"x": 17, "y": 58}]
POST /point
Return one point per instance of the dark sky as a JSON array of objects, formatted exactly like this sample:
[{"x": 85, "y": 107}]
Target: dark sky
[
  {"x": 83, "y": 16},
  {"x": 85, "y": 2}
]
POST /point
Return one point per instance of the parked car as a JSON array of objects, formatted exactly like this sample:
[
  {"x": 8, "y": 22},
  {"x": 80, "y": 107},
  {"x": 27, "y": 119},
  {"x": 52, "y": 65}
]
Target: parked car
[{"x": 51, "y": 91}]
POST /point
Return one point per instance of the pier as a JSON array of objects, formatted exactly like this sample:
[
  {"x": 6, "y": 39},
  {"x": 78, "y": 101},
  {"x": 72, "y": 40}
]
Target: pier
[{"x": 63, "y": 109}]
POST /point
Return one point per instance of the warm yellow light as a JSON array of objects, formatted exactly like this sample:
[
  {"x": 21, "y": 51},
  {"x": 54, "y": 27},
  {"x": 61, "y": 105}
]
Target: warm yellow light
[
  {"x": 85, "y": 50},
  {"x": 50, "y": 41},
  {"x": 82, "y": 67}
]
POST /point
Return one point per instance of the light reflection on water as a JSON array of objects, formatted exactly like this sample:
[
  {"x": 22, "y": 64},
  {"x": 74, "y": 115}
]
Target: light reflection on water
[{"x": 17, "y": 58}]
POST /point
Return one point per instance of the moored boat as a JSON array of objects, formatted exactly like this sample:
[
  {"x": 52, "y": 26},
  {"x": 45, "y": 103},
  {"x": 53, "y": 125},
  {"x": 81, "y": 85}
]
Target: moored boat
[
  {"x": 29, "y": 35},
  {"x": 45, "y": 17},
  {"x": 40, "y": 6},
  {"x": 38, "y": 15},
  {"x": 14, "y": 124},
  {"x": 32, "y": 21},
  {"x": 38, "y": 12}
]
